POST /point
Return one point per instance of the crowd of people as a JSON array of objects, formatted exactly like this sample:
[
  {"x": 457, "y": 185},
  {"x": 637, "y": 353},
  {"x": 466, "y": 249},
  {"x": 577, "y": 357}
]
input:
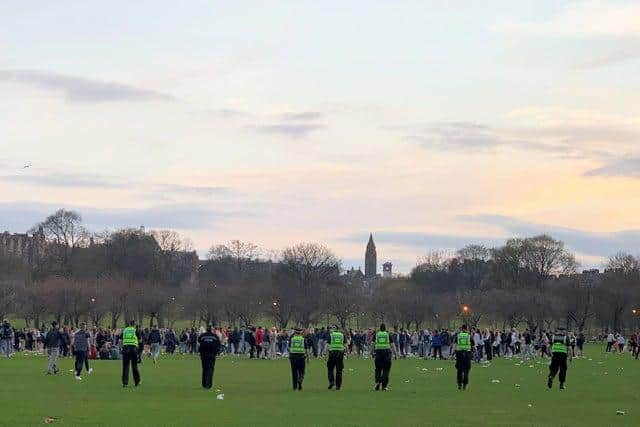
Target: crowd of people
[{"x": 270, "y": 343}]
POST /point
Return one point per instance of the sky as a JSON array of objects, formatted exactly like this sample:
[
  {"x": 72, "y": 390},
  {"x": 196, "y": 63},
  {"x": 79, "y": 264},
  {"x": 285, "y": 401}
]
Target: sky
[{"x": 431, "y": 124}]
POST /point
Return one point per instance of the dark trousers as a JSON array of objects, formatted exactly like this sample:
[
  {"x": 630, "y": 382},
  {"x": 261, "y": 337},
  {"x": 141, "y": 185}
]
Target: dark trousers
[
  {"x": 437, "y": 351},
  {"x": 81, "y": 359},
  {"x": 383, "y": 366},
  {"x": 298, "y": 364},
  {"x": 130, "y": 357},
  {"x": 208, "y": 365},
  {"x": 335, "y": 362},
  {"x": 558, "y": 363},
  {"x": 463, "y": 366}
]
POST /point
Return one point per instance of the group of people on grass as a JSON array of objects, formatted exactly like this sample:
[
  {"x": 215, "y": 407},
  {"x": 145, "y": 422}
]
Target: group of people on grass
[{"x": 271, "y": 343}]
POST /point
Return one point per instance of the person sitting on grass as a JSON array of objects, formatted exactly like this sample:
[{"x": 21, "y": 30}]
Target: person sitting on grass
[
  {"x": 114, "y": 353},
  {"x": 104, "y": 352}
]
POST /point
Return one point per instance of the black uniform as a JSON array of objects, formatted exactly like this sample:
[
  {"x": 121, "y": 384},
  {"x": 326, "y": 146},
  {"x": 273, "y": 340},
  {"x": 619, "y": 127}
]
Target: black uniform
[
  {"x": 298, "y": 362},
  {"x": 558, "y": 360},
  {"x": 209, "y": 349},
  {"x": 463, "y": 366},
  {"x": 335, "y": 362},
  {"x": 383, "y": 366},
  {"x": 130, "y": 357}
]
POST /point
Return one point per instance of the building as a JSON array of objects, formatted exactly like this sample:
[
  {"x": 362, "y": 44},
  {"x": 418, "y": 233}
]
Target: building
[
  {"x": 31, "y": 249},
  {"x": 387, "y": 270},
  {"x": 370, "y": 259}
]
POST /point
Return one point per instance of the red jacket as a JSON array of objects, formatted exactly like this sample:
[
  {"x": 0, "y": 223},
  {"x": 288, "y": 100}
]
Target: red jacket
[{"x": 259, "y": 334}]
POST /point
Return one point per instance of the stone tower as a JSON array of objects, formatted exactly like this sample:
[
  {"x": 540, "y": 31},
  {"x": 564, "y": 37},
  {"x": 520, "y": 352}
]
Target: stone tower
[{"x": 370, "y": 259}]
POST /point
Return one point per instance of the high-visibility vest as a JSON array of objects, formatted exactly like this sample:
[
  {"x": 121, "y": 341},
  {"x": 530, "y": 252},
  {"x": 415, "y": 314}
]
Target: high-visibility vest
[
  {"x": 129, "y": 336},
  {"x": 464, "y": 341},
  {"x": 337, "y": 341},
  {"x": 559, "y": 344},
  {"x": 297, "y": 344},
  {"x": 382, "y": 341}
]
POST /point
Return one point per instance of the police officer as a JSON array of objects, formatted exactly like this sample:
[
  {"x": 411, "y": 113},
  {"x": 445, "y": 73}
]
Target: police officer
[
  {"x": 559, "y": 349},
  {"x": 130, "y": 342},
  {"x": 297, "y": 358},
  {"x": 335, "y": 362},
  {"x": 209, "y": 349},
  {"x": 463, "y": 357},
  {"x": 382, "y": 349}
]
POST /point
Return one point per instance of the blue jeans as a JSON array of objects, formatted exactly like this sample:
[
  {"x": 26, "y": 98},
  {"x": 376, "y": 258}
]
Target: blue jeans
[{"x": 5, "y": 347}]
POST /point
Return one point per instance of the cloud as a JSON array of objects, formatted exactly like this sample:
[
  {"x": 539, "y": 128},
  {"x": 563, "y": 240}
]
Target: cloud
[
  {"x": 20, "y": 216},
  {"x": 169, "y": 191},
  {"x": 294, "y": 131},
  {"x": 628, "y": 167},
  {"x": 65, "y": 180},
  {"x": 584, "y": 19},
  {"x": 423, "y": 241},
  {"x": 568, "y": 140},
  {"x": 624, "y": 52},
  {"x": 302, "y": 116},
  {"x": 591, "y": 243},
  {"x": 80, "y": 89}
]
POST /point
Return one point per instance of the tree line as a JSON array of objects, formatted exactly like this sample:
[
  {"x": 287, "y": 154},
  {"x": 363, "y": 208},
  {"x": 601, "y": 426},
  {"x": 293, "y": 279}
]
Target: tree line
[{"x": 108, "y": 277}]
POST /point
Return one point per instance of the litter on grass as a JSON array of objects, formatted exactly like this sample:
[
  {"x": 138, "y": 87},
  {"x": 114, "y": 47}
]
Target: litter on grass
[{"x": 220, "y": 397}]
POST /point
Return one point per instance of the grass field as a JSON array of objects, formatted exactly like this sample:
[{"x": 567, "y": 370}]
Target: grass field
[{"x": 258, "y": 393}]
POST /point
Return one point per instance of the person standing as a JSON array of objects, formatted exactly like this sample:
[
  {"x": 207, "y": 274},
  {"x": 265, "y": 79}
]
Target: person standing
[
  {"x": 463, "y": 358},
  {"x": 297, "y": 358},
  {"x": 155, "y": 340},
  {"x": 6, "y": 336},
  {"x": 52, "y": 343},
  {"x": 209, "y": 349},
  {"x": 559, "y": 350},
  {"x": 130, "y": 355},
  {"x": 80, "y": 345},
  {"x": 335, "y": 362},
  {"x": 382, "y": 360}
]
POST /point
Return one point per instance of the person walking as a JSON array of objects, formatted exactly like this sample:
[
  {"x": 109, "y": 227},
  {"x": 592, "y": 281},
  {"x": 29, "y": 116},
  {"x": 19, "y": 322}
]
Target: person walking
[
  {"x": 80, "y": 345},
  {"x": 52, "y": 343},
  {"x": 6, "y": 336},
  {"x": 297, "y": 358},
  {"x": 155, "y": 341},
  {"x": 382, "y": 359},
  {"x": 130, "y": 340},
  {"x": 209, "y": 349},
  {"x": 559, "y": 350},
  {"x": 463, "y": 358},
  {"x": 335, "y": 361}
]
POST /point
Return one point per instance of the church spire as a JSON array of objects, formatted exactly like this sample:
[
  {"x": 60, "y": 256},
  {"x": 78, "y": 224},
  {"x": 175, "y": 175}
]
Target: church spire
[{"x": 370, "y": 259}]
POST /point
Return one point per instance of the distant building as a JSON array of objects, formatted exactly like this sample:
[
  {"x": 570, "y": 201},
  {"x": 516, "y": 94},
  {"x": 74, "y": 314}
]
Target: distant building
[
  {"x": 370, "y": 259},
  {"x": 387, "y": 270},
  {"x": 31, "y": 249}
]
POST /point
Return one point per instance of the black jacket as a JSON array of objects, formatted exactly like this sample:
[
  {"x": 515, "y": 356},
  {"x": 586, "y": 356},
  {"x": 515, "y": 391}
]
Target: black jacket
[{"x": 209, "y": 344}]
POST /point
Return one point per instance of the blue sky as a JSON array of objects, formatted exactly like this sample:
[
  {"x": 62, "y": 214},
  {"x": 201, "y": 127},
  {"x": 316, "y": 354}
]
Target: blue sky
[{"x": 322, "y": 121}]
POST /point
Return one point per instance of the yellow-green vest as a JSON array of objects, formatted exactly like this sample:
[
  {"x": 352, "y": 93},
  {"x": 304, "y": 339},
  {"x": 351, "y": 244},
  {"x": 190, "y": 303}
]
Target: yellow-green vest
[
  {"x": 382, "y": 341},
  {"x": 464, "y": 341},
  {"x": 297, "y": 344},
  {"x": 559, "y": 344},
  {"x": 129, "y": 336},
  {"x": 337, "y": 341}
]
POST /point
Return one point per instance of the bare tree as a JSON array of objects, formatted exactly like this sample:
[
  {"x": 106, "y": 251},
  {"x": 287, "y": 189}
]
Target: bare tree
[
  {"x": 64, "y": 228},
  {"x": 311, "y": 265}
]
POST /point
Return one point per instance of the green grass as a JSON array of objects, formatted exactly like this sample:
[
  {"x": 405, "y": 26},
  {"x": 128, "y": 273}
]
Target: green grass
[{"x": 258, "y": 393}]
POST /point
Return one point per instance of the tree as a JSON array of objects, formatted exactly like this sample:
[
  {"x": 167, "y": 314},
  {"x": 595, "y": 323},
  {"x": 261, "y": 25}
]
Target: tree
[
  {"x": 619, "y": 286},
  {"x": 311, "y": 266},
  {"x": 341, "y": 300},
  {"x": 64, "y": 228},
  {"x": 14, "y": 276}
]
